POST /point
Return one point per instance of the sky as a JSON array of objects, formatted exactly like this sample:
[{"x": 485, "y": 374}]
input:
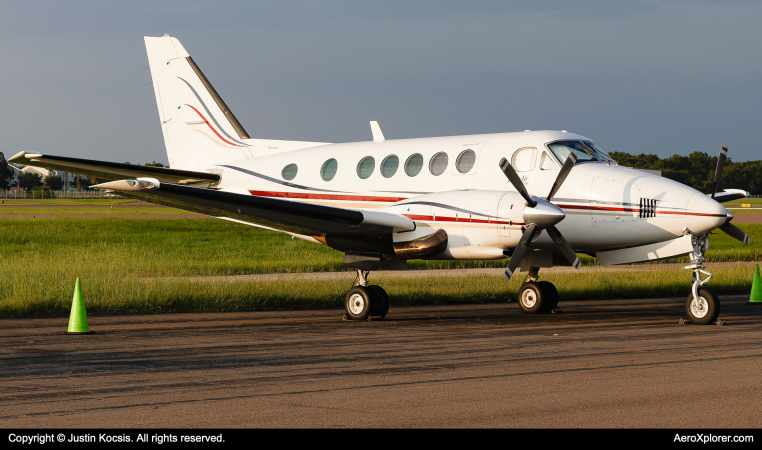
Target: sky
[{"x": 659, "y": 77}]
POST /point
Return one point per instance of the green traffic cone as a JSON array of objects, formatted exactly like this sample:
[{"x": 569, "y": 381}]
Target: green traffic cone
[
  {"x": 756, "y": 287},
  {"x": 78, "y": 317}
]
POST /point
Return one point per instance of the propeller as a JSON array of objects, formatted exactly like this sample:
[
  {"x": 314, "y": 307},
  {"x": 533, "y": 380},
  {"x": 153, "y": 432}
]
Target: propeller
[
  {"x": 735, "y": 232},
  {"x": 513, "y": 177},
  {"x": 540, "y": 215},
  {"x": 718, "y": 171},
  {"x": 732, "y": 230},
  {"x": 519, "y": 251},
  {"x": 571, "y": 160}
]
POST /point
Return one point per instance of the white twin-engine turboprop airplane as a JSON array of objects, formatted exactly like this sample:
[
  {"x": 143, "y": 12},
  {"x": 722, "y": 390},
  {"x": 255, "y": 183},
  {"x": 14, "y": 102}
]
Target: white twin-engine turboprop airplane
[{"x": 535, "y": 196}]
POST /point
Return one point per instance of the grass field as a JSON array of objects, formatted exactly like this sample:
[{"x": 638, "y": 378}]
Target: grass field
[
  {"x": 754, "y": 202},
  {"x": 125, "y": 266},
  {"x": 108, "y": 293},
  {"x": 68, "y": 201},
  {"x": 105, "y": 210}
]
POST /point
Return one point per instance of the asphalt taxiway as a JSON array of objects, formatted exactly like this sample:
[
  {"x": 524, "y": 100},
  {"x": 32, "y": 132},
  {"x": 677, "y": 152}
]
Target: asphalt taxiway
[{"x": 612, "y": 363}]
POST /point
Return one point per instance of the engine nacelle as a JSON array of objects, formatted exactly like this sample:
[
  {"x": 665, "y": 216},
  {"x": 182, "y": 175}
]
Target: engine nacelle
[{"x": 478, "y": 224}]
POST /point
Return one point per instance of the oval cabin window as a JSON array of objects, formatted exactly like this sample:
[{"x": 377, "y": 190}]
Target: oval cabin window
[
  {"x": 389, "y": 166},
  {"x": 438, "y": 163},
  {"x": 413, "y": 165},
  {"x": 365, "y": 167},
  {"x": 465, "y": 161},
  {"x": 289, "y": 172},
  {"x": 328, "y": 171}
]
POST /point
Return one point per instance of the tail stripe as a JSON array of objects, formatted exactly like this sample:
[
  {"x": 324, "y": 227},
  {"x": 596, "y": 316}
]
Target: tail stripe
[
  {"x": 212, "y": 128},
  {"x": 225, "y": 110},
  {"x": 211, "y": 116}
]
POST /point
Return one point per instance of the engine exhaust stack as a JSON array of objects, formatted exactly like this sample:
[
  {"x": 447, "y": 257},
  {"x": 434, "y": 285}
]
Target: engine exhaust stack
[{"x": 422, "y": 248}]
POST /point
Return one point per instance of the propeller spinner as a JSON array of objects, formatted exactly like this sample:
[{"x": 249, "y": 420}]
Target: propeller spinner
[{"x": 540, "y": 215}]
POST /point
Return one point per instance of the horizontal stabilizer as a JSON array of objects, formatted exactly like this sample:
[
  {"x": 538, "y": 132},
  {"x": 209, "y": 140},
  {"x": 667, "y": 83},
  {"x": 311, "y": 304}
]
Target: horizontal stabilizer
[{"x": 115, "y": 171}]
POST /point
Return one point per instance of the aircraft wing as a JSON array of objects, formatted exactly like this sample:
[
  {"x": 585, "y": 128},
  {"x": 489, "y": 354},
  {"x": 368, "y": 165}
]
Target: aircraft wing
[
  {"x": 169, "y": 187},
  {"x": 729, "y": 194},
  {"x": 114, "y": 171},
  {"x": 285, "y": 215}
]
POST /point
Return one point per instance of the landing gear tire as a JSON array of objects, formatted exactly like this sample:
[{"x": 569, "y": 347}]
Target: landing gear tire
[
  {"x": 705, "y": 310},
  {"x": 532, "y": 297},
  {"x": 381, "y": 302},
  {"x": 551, "y": 293},
  {"x": 359, "y": 302}
]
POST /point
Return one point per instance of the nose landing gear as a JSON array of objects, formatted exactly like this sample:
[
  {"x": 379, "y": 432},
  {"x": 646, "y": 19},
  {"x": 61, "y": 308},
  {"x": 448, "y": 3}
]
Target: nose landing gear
[
  {"x": 366, "y": 302},
  {"x": 702, "y": 306},
  {"x": 537, "y": 296}
]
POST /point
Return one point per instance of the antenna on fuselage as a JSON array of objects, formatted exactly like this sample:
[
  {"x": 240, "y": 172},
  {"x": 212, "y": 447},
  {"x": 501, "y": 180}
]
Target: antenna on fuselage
[{"x": 378, "y": 136}]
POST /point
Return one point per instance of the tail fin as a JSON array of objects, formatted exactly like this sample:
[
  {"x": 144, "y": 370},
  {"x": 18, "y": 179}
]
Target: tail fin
[{"x": 198, "y": 127}]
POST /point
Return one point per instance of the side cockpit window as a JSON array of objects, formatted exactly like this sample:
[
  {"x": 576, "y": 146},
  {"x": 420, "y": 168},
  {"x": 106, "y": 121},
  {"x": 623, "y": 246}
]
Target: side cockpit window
[{"x": 546, "y": 162}]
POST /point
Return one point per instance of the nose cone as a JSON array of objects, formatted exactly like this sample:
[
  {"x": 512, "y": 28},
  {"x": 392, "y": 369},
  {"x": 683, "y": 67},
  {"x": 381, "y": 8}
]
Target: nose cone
[
  {"x": 705, "y": 214},
  {"x": 545, "y": 214}
]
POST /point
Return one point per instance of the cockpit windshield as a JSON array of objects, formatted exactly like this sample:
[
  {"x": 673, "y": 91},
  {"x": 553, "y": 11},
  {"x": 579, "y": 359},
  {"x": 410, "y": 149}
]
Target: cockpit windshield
[
  {"x": 604, "y": 156},
  {"x": 585, "y": 150},
  {"x": 563, "y": 149}
]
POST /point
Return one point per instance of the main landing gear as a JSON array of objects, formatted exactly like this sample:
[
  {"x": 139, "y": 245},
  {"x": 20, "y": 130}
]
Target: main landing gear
[
  {"x": 537, "y": 296},
  {"x": 702, "y": 305},
  {"x": 366, "y": 302}
]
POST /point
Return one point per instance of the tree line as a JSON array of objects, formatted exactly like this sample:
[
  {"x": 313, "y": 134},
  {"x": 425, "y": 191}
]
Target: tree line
[{"x": 697, "y": 170}]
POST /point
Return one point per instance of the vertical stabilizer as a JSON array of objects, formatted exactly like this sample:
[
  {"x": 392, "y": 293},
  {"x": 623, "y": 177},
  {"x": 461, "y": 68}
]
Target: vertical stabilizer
[{"x": 198, "y": 127}]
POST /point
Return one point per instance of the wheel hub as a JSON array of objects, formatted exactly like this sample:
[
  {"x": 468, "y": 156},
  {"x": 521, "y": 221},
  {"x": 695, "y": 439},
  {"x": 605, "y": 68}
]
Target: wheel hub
[
  {"x": 528, "y": 298},
  {"x": 356, "y": 304},
  {"x": 699, "y": 308}
]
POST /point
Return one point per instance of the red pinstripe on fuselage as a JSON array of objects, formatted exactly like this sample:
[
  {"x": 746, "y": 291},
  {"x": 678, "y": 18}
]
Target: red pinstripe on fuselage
[{"x": 382, "y": 201}]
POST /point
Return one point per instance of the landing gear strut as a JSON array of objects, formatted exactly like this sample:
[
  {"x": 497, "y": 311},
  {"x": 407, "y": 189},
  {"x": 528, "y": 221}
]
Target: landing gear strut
[
  {"x": 366, "y": 302},
  {"x": 702, "y": 305},
  {"x": 537, "y": 296}
]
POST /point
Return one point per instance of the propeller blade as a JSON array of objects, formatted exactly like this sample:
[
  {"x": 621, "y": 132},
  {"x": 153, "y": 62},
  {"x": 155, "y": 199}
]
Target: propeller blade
[
  {"x": 718, "y": 171},
  {"x": 567, "y": 167},
  {"x": 513, "y": 177},
  {"x": 519, "y": 251},
  {"x": 735, "y": 232},
  {"x": 563, "y": 246}
]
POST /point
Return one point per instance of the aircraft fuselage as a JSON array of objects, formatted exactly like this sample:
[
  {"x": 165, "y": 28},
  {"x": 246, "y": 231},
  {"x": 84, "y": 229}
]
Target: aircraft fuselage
[{"x": 606, "y": 206}]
